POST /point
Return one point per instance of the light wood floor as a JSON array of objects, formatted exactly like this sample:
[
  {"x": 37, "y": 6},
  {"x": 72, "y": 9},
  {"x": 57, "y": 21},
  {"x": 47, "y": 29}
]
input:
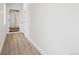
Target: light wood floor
[{"x": 17, "y": 44}]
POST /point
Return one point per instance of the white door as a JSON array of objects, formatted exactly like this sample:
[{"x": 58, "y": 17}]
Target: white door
[{"x": 14, "y": 18}]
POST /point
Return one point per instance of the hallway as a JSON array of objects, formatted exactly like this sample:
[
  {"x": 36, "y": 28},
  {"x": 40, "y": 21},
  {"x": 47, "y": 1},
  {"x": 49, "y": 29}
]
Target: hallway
[
  {"x": 39, "y": 29},
  {"x": 16, "y": 44}
]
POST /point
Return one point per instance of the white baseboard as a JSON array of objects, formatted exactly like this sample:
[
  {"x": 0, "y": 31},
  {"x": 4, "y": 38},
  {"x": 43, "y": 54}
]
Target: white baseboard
[
  {"x": 38, "y": 48},
  {"x": 0, "y": 50}
]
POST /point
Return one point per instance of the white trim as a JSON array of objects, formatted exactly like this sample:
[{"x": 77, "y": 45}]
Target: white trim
[
  {"x": 0, "y": 50},
  {"x": 4, "y": 13},
  {"x": 38, "y": 48}
]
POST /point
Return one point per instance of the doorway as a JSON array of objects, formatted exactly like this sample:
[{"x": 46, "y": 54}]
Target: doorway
[{"x": 14, "y": 20}]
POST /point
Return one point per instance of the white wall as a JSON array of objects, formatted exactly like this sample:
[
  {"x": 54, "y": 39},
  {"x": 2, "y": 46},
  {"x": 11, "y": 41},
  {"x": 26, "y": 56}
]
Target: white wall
[
  {"x": 55, "y": 27},
  {"x": 25, "y": 20},
  {"x": 3, "y": 27}
]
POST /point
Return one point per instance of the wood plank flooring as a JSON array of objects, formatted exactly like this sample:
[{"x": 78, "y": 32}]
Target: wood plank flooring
[{"x": 17, "y": 44}]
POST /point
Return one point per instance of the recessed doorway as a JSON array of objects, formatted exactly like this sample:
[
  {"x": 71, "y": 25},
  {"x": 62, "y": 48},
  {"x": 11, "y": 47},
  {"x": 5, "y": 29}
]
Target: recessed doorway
[{"x": 14, "y": 20}]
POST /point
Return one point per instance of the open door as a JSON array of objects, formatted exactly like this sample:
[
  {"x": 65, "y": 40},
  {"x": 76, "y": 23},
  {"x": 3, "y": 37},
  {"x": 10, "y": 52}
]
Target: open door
[{"x": 14, "y": 20}]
